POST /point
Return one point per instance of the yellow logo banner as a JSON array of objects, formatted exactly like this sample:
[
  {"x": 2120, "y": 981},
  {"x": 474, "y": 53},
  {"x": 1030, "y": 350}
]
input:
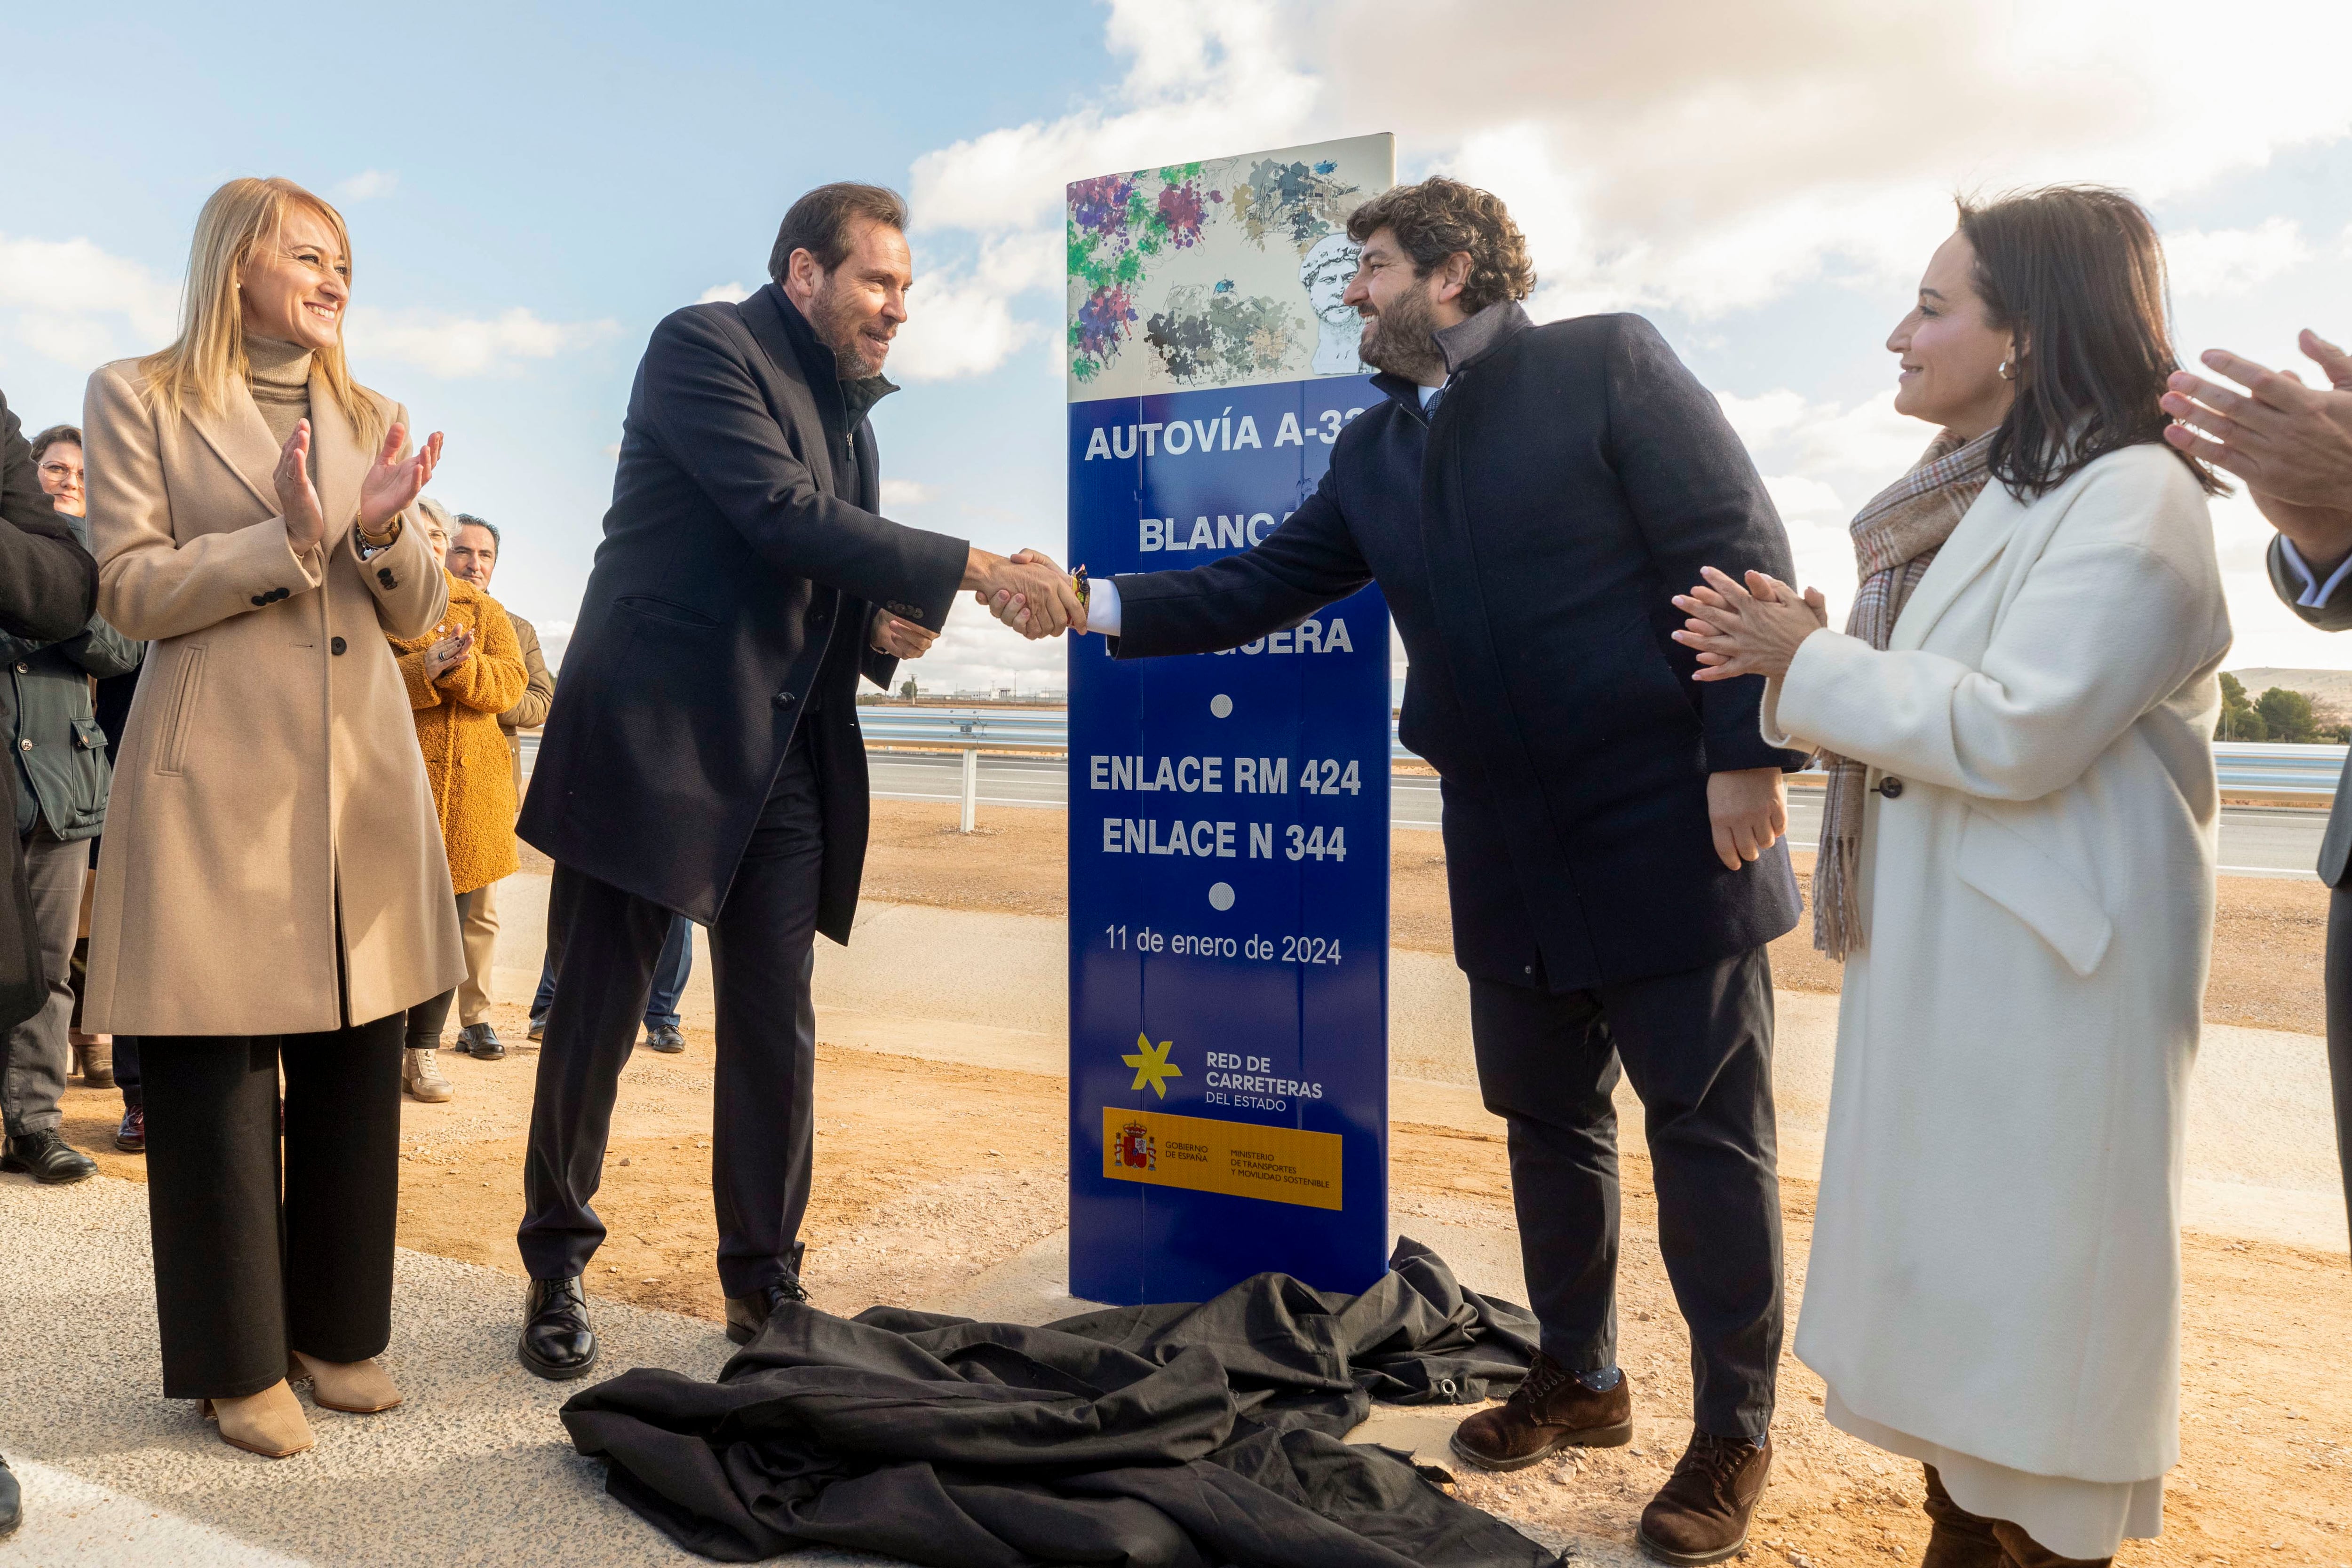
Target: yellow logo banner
[{"x": 1240, "y": 1159}]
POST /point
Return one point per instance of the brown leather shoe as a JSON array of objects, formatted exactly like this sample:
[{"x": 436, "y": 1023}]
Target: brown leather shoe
[
  {"x": 1960, "y": 1539},
  {"x": 1550, "y": 1410},
  {"x": 1701, "y": 1514}
]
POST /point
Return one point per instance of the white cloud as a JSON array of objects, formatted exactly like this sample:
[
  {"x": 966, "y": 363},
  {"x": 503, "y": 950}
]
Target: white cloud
[
  {"x": 2233, "y": 261},
  {"x": 367, "y": 185},
  {"x": 62, "y": 280},
  {"x": 1704, "y": 156},
  {"x": 721, "y": 294},
  {"x": 974, "y": 652},
  {"x": 456, "y": 346},
  {"x": 555, "y": 638},
  {"x": 960, "y": 320},
  {"x": 901, "y": 493}
]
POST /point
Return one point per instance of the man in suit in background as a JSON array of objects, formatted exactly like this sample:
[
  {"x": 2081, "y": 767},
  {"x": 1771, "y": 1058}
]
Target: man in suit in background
[
  {"x": 2292, "y": 446},
  {"x": 48, "y": 590},
  {"x": 1527, "y": 498},
  {"x": 702, "y": 757},
  {"x": 474, "y": 556}
]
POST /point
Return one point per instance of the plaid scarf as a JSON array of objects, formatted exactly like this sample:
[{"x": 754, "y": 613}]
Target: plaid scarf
[{"x": 1896, "y": 538}]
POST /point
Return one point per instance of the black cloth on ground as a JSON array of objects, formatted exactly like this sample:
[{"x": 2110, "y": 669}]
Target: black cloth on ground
[{"x": 1176, "y": 1435}]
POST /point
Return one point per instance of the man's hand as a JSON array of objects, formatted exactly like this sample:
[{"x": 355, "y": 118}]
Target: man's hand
[
  {"x": 900, "y": 639},
  {"x": 1027, "y": 592},
  {"x": 1748, "y": 808},
  {"x": 2291, "y": 443}
]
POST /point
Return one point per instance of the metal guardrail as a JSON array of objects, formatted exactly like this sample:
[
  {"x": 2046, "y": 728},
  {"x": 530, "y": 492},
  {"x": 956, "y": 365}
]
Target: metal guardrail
[
  {"x": 2257, "y": 767},
  {"x": 2246, "y": 767}
]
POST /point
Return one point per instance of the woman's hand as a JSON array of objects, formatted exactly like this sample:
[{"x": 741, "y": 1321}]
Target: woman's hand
[
  {"x": 450, "y": 652},
  {"x": 392, "y": 485},
  {"x": 1750, "y": 631},
  {"x": 298, "y": 498}
]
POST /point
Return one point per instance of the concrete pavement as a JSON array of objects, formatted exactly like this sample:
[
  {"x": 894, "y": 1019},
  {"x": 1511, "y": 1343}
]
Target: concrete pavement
[{"x": 474, "y": 1468}]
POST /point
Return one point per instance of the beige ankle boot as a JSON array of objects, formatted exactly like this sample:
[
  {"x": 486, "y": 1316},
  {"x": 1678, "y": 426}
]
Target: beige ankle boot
[
  {"x": 98, "y": 1061},
  {"x": 355, "y": 1387},
  {"x": 420, "y": 1074},
  {"x": 268, "y": 1423}
]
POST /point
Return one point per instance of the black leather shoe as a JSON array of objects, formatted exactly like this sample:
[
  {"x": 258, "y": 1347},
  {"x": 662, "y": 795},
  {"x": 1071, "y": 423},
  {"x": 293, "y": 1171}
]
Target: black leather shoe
[
  {"x": 746, "y": 1315},
  {"x": 665, "y": 1039},
  {"x": 11, "y": 1501},
  {"x": 131, "y": 1137},
  {"x": 482, "y": 1042},
  {"x": 558, "y": 1340},
  {"x": 52, "y": 1161},
  {"x": 537, "y": 1030}
]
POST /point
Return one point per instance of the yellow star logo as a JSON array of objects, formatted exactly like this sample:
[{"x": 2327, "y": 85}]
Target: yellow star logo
[{"x": 1152, "y": 1065}]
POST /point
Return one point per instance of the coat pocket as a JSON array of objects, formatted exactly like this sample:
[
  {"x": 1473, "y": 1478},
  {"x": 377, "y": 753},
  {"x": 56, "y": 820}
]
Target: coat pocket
[
  {"x": 179, "y": 713},
  {"x": 2003, "y": 866}
]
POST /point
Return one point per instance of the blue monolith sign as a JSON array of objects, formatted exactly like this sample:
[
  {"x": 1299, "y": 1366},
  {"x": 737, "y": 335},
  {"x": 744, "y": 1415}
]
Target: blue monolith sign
[{"x": 1229, "y": 813}]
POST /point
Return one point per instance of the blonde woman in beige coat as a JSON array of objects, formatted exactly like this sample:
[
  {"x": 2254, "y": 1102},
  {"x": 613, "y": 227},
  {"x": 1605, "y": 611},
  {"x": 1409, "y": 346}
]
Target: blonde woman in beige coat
[
  {"x": 2021, "y": 881},
  {"x": 274, "y": 893}
]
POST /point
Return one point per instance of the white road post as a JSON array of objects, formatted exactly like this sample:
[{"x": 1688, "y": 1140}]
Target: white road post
[{"x": 971, "y": 787}]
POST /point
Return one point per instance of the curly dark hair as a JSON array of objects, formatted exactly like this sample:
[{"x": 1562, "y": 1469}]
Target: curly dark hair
[{"x": 1437, "y": 217}]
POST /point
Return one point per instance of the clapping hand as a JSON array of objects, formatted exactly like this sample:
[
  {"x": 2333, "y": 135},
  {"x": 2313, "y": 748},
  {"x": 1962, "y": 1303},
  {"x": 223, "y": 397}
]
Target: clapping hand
[
  {"x": 298, "y": 498},
  {"x": 1747, "y": 631},
  {"x": 2291, "y": 443},
  {"x": 395, "y": 482},
  {"x": 900, "y": 639},
  {"x": 453, "y": 650}
]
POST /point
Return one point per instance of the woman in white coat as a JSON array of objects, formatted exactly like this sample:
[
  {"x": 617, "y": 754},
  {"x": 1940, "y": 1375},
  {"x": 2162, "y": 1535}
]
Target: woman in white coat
[{"x": 2018, "y": 869}]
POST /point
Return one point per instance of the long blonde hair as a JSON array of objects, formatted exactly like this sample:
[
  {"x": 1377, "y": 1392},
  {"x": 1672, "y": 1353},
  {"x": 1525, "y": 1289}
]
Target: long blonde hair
[{"x": 210, "y": 350}]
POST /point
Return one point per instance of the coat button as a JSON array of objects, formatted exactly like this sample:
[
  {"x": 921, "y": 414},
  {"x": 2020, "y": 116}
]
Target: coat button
[
  {"x": 24, "y": 669},
  {"x": 337, "y": 645},
  {"x": 1891, "y": 787},
  {"x": 24, "y": 745},
  {"x": 785, "y": 699}
]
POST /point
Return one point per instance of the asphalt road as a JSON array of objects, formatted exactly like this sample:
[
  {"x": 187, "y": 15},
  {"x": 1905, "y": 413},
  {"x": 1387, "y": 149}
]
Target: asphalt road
[{"x": 2256, "y": 841}]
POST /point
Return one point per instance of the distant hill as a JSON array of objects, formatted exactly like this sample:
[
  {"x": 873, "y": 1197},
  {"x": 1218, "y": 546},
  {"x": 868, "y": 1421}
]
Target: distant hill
[{"x": 2330, "y": 691}]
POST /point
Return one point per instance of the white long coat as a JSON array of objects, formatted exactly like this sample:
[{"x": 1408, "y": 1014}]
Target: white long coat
[{"x": 1995, "y": 1263}]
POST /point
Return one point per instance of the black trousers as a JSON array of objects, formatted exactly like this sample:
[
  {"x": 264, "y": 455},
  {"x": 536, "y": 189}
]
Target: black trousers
[
  {"x": 244, "y": 1274},
  {"x": 1698, "y": 1047},
  {"x": 2339, "y": 1026},
  {"x": 427, "y": 1017},
  {"x": 605, "y": 943}
]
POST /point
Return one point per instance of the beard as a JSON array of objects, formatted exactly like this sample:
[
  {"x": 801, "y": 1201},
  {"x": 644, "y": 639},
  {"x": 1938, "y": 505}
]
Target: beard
[
  {"x": 837, "y": 320},
  {"x": 1402, "y": 338}
]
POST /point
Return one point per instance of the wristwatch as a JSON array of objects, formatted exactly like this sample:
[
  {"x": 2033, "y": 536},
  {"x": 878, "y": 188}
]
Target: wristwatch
[
  {"x": 368, "y": 550},
  {"x": 1079, "y": 583}
]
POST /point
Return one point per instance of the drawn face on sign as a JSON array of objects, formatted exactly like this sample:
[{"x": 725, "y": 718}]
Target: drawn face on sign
[{"x": 1327, "y": 269}]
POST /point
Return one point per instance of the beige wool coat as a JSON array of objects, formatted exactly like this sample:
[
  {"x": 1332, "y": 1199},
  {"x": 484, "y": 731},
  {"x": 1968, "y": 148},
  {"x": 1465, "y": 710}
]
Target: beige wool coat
[
  {"x": 1995, "y": 1282},
  {"x": 270, "y": 801}
]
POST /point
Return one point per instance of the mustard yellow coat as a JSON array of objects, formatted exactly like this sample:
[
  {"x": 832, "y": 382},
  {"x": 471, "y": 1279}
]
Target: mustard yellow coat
[{"x": 465, "y": 757}]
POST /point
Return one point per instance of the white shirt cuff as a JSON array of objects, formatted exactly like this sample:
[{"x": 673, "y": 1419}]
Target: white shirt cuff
[
  {"x": 2315, "y": 592},
  {"x": 1102, "y": 605}
]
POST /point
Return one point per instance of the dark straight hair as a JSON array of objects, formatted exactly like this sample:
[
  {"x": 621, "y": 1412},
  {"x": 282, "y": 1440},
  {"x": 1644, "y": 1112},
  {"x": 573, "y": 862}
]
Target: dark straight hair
[{"x": 2076, "y": 271}]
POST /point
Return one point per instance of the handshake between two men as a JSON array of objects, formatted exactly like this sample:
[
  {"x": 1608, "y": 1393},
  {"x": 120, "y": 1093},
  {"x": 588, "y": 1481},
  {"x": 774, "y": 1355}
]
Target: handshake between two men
[{"x": 1026, "y": 591}]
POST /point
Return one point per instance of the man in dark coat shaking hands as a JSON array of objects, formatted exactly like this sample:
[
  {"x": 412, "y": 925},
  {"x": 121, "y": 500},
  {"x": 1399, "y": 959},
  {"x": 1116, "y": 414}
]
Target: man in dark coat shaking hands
[
  {"x": 702, "y": 757},
  {"x": 1527, "y": 498}
]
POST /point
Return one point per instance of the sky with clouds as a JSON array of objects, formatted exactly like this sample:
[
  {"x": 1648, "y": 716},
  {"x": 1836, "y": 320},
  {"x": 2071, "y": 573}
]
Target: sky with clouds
[{"x": 532, "y": 187}]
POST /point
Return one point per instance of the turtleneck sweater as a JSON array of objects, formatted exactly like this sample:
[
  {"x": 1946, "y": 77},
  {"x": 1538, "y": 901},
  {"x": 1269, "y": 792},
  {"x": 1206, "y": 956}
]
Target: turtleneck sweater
[{"x": 278, "y": 375}]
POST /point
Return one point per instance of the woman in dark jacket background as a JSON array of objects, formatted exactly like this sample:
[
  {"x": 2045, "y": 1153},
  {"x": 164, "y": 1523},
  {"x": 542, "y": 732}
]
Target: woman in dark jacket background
[{"x": 62, "y": 778}]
